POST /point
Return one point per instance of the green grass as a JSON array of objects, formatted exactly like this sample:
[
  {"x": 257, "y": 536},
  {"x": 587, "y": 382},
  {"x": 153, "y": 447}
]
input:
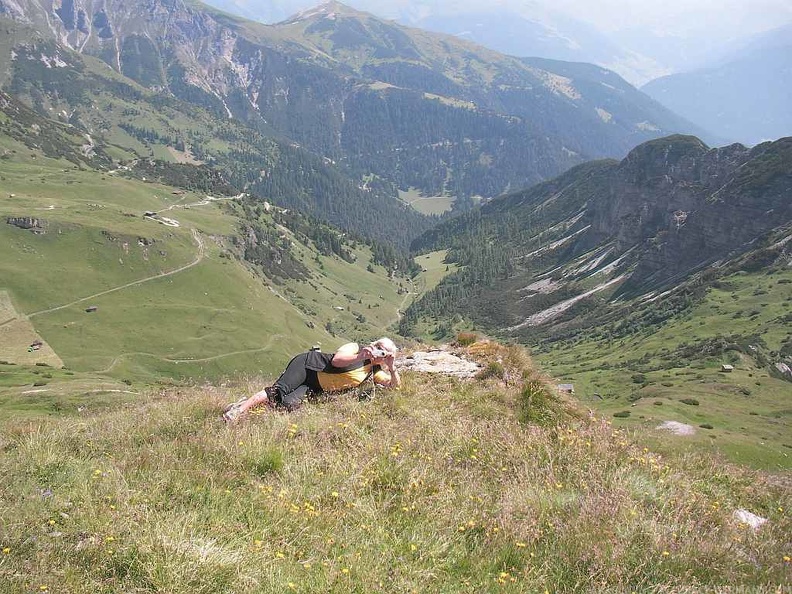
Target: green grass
[
  {"x": 749, "y": 409},
  {"x": 436, "y": 488},
  {"x": 428, "y": 205},
  {"x": 171, "y": 302},
  {"x": 434, "y": 269}
]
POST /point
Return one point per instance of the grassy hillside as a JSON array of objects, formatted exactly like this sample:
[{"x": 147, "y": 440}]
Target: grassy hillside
[
  {"x": 444, "y": 486},
  {"x": 650, "y": 375},
  {"x": 172, "y": 302}
]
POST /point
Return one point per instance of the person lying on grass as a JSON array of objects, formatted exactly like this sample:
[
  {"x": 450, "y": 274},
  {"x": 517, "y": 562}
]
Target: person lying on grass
[{"x": 316, "y": 372}]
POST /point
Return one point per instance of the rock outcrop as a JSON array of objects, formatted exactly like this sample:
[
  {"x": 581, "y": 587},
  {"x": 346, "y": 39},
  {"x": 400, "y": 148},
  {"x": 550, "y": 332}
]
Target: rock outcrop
[{"x": 33, "y": 224}]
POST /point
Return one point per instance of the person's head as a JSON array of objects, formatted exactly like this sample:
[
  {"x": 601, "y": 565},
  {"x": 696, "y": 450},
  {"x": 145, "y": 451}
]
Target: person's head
[{"x": 385, "y": 344}]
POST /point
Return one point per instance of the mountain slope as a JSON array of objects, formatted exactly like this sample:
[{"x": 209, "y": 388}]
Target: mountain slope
[
  {"x": 131, "y": 122},
  {"x": 214, "y": 283},
  {"x": 611, "y": 231},
  {"x": 746, "y": 98},
  {"x": 415, "y": 109}
]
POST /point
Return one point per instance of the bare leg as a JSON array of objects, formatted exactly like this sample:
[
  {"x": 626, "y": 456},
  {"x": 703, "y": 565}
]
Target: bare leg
[{"x": 257, "y": 399}]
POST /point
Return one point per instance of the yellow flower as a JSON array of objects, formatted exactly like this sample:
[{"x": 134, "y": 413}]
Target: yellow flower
[
  {"x": 279, "y": 555},
  {"x": 292, "y": 586},
  {"x": 520, "y": 545},
  {"x": 413, "y": 547},
  {"x": 6, "y": 551},
  {"x": 43, "y": 587},
  {"x": 666, "y": 553},
  {"x": 334, "y": 493},
  {"x": 307, "y": 565},
  {"x": 787, "y": 558},
  {"x": 345, "y": 570}
]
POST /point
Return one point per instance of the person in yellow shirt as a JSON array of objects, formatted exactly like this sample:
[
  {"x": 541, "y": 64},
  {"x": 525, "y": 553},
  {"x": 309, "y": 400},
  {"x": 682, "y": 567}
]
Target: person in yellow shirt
[{"x": 317, "y": 372}]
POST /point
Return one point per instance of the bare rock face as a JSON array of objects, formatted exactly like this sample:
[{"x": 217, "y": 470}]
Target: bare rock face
[
  {"x": 34, "y": 224},
  {"x": 440, "y": 361}
]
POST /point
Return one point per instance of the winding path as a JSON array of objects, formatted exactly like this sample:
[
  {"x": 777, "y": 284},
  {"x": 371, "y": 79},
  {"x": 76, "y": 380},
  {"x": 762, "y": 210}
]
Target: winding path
[
  {"x": 115, "y": 361},
  {"x": 199, "y": 257}
]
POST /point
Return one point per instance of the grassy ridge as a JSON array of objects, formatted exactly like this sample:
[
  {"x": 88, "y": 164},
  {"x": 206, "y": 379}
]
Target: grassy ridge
[{"x": 436, "y": 488}]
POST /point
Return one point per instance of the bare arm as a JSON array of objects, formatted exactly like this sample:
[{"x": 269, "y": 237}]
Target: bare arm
[{"x": 346, "y": 355}]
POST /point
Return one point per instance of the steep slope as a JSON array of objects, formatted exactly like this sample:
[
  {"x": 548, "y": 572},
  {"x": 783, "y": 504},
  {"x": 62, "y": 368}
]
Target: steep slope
[
  {"x": 159, "y": 272},
  {"x": 745, "y": 98},
  {"x": 132, "y": 122},
  {"x": 416, "y": 109},
  {"x": 613, "y": 231},
  {"x": 444, "y": 486}
]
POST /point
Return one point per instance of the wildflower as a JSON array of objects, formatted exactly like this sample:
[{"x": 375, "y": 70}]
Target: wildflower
[
  {"x": 279, "y": 555},
  {"x": 43, "y": 587},
  {"x": 258, "y": 543},
  {"x": 413, "y": 547},
  {"x": 292, "y": 586},
  {"x": 520, "y": 545},
  {"x": 334, "y": 493},
  {"x": 345, "y": 570},
  {"x": 306, "y": 565},
  {"x": 51, "y": 522},
  {"x": 6, "y": 551},
  {"x": 787, "y": 558},
  {"x": 666, "y": 553}
]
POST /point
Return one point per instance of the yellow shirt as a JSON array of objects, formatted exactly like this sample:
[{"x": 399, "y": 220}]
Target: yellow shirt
[{"x": 351, "y": 378}]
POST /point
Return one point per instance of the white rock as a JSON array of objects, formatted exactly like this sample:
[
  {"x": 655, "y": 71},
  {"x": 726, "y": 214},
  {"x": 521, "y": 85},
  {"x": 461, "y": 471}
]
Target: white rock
[
  {"x": 440, "y": 362},
  {"x": 745, "y": 517},
  {"x": 677, "y": 428}
]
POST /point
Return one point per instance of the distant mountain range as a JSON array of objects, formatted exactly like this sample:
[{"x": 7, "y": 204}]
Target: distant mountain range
[
  {"x": 347, "y": 104},
  {"x": 745, "y": 95}
]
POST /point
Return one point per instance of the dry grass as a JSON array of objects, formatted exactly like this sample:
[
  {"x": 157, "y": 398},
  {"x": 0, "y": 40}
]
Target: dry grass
[{"x": 437, "y": 488}]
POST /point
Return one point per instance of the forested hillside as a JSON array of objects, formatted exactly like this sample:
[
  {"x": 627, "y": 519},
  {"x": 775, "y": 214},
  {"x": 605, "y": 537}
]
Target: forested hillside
[{"x": 353, "y": 107}]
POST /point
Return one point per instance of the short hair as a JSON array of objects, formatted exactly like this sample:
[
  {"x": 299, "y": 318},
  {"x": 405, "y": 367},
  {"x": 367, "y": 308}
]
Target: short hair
[{"x": 387, "y": 345}]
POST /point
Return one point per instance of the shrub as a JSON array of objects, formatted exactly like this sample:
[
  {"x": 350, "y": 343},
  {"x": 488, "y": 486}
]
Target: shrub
[
  {"x": 622, "y": 414},
  {"x": 706, "y": 426},
  {"x": 270, "y": 461},
  {"x": 39, "y": 383},
  {"x": 493, "y": 369},
  {"x": 638, "y": 378},
  {"x": 466, "y": 338},
  {"x": 690, "y": 401},
  {"x": 658, "y": 403},
  {"x": 541, "y": 404}
]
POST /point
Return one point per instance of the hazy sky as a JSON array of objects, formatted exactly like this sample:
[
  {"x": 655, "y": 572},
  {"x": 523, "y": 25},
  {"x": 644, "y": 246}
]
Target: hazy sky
[
  {"x": 721, "y": 17},
  {"x": 712, "y": 18}
]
